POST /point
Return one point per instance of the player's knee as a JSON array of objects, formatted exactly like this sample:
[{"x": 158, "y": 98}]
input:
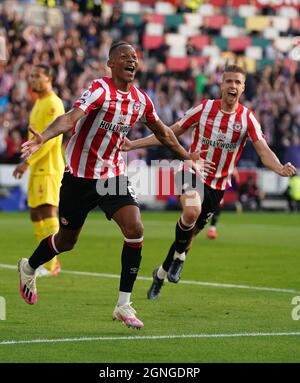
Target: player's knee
[
  {"x": 65, "y": 245},
  {"x": 191, "y": 214},
  {"x": 134, "y": 230}
]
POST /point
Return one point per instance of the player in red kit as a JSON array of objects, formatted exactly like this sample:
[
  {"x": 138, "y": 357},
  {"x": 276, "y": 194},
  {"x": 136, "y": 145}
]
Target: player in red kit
[
  {"x": 95, "y": 172},
  {"x": 220, "y": 127}
]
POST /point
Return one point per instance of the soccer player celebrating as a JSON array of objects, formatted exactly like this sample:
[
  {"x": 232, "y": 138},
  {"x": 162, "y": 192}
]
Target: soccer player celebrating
[
  {"x": 46, "y": 166},
  {"x": 94, "y": 174},
  {"x": 220, "y": 127}
]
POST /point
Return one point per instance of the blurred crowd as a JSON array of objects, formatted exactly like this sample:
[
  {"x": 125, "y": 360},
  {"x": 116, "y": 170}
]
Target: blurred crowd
[{"x": 78, "y": 53}]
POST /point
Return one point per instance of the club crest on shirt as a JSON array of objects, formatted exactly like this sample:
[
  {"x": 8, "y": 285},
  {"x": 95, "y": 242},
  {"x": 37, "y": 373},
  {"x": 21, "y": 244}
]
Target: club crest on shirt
[
  {"x": 237, "y": 126},
  {"x": 136, "y": 106},
  {"x": 121, "y": 118}
]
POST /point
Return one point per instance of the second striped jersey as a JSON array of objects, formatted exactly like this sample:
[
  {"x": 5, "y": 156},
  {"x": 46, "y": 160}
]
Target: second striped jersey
[
  {"x": 93, "y": 150},
  {"x": 223, "y": 135}
]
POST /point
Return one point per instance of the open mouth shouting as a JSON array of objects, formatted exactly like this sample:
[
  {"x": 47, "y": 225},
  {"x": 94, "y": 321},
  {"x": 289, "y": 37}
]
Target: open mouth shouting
[
  {"x": 130, "y": 70},
  {"x": 232, "y": 95}
]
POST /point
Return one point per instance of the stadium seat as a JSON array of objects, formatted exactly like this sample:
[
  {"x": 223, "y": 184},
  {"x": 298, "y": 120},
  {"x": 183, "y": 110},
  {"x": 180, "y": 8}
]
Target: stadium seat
[
  {"x": 173, "y": 21},
  {"x": 201, "y": 60},
  {"x": 263, "y": 63},
  {"x": 175, "y": 39},
  {"x": 193, "y": 19},
  {"x": 177, "y": 51},
  {"x": 214, "y": 22},
  {"x": 200, "y": 41},
  {"x": 238, "y": 3},
  {"x": 247, "y": 10},
  {"x": 295, "y": 24},
  {"x": 206, "y": 10},
  {"x": 237, "y": 44},
  {"x": 257, "y": 23},
  {"x": 187, "y": 30},
  {"x": 221, "y": 42},
  {"x": 154, "y": 29},
  {"x": 156, "y": 18},
  {"x": 211, "y": 51},
  {"x": 131, "y": 7},
  {"x": 284, "y": 44},
  {"x": 288, "y": 12},
  {"x": 238, "y": 21},
  {"x": 229, "y": 31},
  {"x": 270, "y": 33},
  {"x": 164, "y": 8},
  {"x": 152, "y": 42},
  {"x": 282, "y": 24},
  {"x": 260, "y": 41},
  {"x": 255, "y": 53},
  {"x": 55, "y": 18},
  {"x": 248, "y": 63},
  {"x": 178, "y": 64},
  {"x": 216, "y": 3},
  {"x": 135, "y": 17}
]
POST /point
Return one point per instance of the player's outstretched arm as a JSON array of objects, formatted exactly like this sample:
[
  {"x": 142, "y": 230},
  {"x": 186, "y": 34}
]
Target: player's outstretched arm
[
  {"x": 167, "y": 136},
  {"x": 150, "y": 140},
  {"x": 60, "y": 125},
  {"x": 271, "y": 161}
]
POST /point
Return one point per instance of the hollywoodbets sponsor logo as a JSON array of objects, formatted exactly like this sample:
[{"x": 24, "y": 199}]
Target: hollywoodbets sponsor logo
[
  {"x": 229, "y": 146},
  {"x": 124, "y": 129}
]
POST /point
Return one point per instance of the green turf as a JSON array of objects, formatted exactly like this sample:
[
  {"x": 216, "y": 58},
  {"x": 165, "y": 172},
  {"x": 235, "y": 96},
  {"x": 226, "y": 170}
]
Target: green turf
[{"x": 251, "y": 249}]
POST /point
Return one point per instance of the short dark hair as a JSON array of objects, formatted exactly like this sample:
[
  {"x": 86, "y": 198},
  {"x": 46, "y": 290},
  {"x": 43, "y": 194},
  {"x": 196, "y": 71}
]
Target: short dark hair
[
  {"x": 116, "y": 45},
  {"x": 234, "y": 68},
  {"x": 49, "y": 72}
]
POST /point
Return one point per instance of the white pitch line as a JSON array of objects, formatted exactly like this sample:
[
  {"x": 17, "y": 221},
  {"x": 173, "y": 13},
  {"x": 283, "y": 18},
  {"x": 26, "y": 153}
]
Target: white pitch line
[
  {"x": 195, "y": 283},
  {"x": 151, "y": 337}
]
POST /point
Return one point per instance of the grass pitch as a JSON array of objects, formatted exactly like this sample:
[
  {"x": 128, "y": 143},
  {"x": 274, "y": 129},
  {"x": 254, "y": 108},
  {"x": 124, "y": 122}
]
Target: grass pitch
[{"x": 74, "y": 310}]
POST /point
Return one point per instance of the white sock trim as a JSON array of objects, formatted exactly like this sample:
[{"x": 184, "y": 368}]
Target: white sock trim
[
  {"x": 135, "y": 240},
  {"x": 188, "y": 227},
  {"x": 53, "y": 244},
  {"x": 181, "y": 256},
  {"x": 124, "y": 298},
  {"x": 161, "y": 273}
]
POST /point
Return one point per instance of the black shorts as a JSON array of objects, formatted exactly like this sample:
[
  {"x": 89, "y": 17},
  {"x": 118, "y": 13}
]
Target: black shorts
[
  {"x": 210, "y": 198},
  {"x": 78, "y": 196}
]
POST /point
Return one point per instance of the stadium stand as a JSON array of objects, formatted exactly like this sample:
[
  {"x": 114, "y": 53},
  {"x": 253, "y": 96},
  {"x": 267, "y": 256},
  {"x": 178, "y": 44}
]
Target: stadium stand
[{"x": 182, "y": 47}]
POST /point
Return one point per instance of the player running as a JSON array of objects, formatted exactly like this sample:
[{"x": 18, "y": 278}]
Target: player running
[
  {"x": 95, "y": 172},
  {"x": 221, "y": 127}
]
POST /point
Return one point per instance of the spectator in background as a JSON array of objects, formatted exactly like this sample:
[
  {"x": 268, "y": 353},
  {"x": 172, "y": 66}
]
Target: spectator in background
[
  {"x": 249, "y": 195},
  {"x": 84, "y": 40},
  {"x": 293, "y": 193}
]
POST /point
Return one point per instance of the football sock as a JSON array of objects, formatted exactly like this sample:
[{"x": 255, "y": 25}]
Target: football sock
[
  {"x": 45, "y": 251},
  {"x": 169, "y": 258},
  {"x": 161, "y": 273},
  {"x": 131, "y": 259},
  {"x": 183, "y": 235},
  {"x": 124, "y": 298},
  {"x": 38, "y": 230},
  {"x": 28, "y": 269},
  {"x": 51, "y": 226},
  {"x": 179, "y": 256}
]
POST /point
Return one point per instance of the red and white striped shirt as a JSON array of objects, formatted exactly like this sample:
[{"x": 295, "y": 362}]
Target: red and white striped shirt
[
  {"x": 223, "y": 135},
  {"x": 93, "y": 150}
]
